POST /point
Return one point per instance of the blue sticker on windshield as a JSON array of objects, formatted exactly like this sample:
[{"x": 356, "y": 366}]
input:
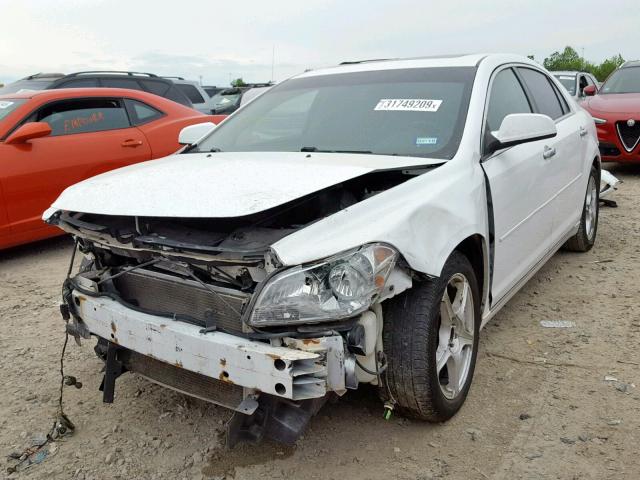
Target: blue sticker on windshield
[{"x": 426, "y": 140}]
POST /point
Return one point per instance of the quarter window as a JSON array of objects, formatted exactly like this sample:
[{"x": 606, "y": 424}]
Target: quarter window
[
  {"x": 507, "y": 97},
  {"x": 142, "y": 113},
  {"x": 542, "y": 92},
  {"x": 83, "y": 116}
]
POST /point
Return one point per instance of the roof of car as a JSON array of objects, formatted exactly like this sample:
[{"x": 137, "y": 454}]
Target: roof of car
[
  {"x": 467, "y": 60},
  {"x": 565, "y": 72},
  {"x": 630, "y": 63},
  {"x": 79, "y": 92}
]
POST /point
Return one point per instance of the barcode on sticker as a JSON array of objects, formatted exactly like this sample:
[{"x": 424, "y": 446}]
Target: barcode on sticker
[{"x": 408, "y": 105}]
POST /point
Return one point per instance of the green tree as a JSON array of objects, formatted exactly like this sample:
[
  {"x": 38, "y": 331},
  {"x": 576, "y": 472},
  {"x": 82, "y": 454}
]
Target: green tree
[
  {"x": 603, "y": 70},
  {"x": 238, "y": 82},
  {"x": 568, "y": 59}
]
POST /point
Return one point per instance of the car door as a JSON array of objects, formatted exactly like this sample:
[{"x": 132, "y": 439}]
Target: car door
[
  {"x": 89, "y": 136},
  {"x": 564, "y": 167},
  {"x": 518, "y": 187},
  {"x": 4, "y": 219}
]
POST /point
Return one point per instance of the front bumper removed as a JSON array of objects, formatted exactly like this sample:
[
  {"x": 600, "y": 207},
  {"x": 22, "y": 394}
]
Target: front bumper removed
[{"x": 256, "y": 379}]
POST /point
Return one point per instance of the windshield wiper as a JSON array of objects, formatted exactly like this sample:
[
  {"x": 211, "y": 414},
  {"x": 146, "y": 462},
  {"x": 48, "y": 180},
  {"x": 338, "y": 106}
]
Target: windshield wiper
[{"x": 315, "y": 149}]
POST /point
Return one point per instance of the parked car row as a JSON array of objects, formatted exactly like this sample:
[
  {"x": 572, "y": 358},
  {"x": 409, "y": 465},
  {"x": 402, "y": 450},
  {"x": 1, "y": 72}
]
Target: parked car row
[
  {"x": 351, "y": 225},
  {"x": 615, "y": 108},
  {"x": 186, "y": 92}
]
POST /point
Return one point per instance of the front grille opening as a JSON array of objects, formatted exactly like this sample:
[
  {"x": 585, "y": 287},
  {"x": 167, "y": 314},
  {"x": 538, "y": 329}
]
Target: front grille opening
[
  {"x": 166, "y": 295},
  {"x": 629, "y": 135}
]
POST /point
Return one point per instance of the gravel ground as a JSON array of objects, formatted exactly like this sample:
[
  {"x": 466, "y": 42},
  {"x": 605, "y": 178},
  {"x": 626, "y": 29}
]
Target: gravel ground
[{"x": 546, "y": 403}]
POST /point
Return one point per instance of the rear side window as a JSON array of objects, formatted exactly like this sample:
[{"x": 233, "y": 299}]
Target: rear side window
[
  {"x": 506, "y": 97},
  {"x": 120, "y": 83},
  {"x": 142, "y": 113},
  {"x": 157, "y": 88},
  {"x": 543, "y": 94},
  {"x": 84, "y": 116},
  {"x": 79, "y": 83},
  {"x": 191, "y": 92}
]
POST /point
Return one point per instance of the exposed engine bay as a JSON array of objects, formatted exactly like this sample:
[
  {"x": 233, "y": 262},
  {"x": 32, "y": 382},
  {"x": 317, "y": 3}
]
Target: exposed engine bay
[{"x": 180, "y": 301}]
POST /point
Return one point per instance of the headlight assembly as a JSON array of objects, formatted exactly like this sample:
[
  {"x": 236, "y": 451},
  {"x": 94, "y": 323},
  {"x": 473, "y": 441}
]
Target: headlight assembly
[
  {"x": 333, "y": 289},
  {"x": 599, "y": 121}
]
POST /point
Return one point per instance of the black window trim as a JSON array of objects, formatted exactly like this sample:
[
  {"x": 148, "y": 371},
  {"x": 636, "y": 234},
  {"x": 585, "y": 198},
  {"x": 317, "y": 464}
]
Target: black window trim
[{"x": 484, "y": 131}]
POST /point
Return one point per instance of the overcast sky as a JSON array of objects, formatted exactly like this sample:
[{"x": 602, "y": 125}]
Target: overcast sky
[{"x": 222, "y": 40}]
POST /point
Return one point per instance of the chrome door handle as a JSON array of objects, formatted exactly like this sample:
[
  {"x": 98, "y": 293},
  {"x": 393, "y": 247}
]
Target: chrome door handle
[
  {"x": 583, "y": 131},
  {"x": 548, "y": 152}
]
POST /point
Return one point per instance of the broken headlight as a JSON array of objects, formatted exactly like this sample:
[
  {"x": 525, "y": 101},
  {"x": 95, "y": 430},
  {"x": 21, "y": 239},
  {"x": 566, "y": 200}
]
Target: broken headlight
[{"x": 333, "y": 289}]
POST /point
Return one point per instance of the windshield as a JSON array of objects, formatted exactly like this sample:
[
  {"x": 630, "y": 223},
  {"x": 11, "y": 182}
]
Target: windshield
[
  {"x": 226, "y": 97},
  {"x": 623, "y": 80},
  {"x": 8, "y": 105},
  {"x": 409, "y": 112},
  {"x": 26, "y": 85},
  {"x": 568, "y": 82}
]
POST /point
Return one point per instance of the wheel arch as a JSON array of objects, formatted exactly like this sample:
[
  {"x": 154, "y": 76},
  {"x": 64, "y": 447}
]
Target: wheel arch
[{"x": 475, "y": 249}]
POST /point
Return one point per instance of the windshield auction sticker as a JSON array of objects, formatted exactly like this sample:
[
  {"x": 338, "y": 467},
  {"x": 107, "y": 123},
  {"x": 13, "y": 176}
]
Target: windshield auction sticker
[
  {"x": 5, "y": 104},
  {"x": 408, "y": 105}
]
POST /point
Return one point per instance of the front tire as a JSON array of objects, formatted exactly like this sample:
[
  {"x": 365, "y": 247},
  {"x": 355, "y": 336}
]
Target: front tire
[
  {"x": 430, "y": 340},
  {"x": 584, "y": 239}
]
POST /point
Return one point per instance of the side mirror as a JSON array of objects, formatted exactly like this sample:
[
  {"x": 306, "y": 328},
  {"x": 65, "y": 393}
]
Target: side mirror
[
  {"x": 590, "y": 90},
  {"x": 520, "y": 128},
  {"x": 27, "y": 132},
  {"x": 191, "y": 134}
]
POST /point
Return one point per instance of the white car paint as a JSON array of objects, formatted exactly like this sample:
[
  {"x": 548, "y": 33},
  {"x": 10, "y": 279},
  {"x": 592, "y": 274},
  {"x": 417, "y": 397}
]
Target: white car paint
[
  {"x": 200, "y": 185},
  {"x": 522, "y": 203},
  {"x": 537, "y": 202}
]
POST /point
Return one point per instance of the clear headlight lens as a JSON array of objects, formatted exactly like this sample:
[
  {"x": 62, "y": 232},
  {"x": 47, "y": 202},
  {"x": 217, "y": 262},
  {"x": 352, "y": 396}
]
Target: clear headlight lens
[
  {"x": 599, "y": 121},
  {"x": 336, "y": 288}
]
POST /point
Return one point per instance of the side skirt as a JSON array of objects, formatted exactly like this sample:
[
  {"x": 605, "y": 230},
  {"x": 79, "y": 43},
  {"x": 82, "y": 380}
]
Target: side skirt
[{"x": 516, "y": 288}]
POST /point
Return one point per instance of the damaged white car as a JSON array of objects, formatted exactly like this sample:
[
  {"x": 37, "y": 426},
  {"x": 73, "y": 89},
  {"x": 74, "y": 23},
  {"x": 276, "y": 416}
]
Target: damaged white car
[{"x": 357, "y": 224}]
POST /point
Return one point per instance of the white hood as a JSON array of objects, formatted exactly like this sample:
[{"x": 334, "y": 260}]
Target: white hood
[{"x": 201, "y": 185}]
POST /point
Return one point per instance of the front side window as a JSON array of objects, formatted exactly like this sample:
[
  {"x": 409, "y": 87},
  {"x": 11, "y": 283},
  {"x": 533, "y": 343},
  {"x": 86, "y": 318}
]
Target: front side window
[
  {"x": 623, "y": 80},
  {"x": 409, "y": 112},
  {"x": 506, "y": 97},
  {"x": 83, "y": 116},
  {"x": 542, "y": 92},
  {"x": 8, "y": 105}
]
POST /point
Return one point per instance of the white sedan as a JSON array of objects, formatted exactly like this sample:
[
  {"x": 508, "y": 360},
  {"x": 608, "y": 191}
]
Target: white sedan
[{"x": 356, "y": 224}]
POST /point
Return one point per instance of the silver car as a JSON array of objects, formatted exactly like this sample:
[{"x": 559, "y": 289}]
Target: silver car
[
  {"x": 194, "y": 92},
  {"x": 575, "y": 82}
]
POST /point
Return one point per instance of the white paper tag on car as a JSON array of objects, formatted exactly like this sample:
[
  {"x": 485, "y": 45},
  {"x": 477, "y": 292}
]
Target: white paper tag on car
[{"x": 408, "y": 105}]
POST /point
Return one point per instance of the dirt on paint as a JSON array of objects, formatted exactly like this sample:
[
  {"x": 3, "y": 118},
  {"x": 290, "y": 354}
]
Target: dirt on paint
[{"x": 546, "y": 403}]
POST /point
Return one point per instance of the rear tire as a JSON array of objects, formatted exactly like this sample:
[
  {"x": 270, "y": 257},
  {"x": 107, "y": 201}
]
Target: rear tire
[
  {"x": 585, "y": 237},
  {"x": 431, "y": 344}
]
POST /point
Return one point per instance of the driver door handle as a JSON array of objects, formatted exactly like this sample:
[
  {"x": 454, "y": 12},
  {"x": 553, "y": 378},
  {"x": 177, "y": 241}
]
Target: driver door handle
[
  {"x": 548, "y": 152},
  {"x": 583, "y": 131},
  {"x": 132, "y": 143}
]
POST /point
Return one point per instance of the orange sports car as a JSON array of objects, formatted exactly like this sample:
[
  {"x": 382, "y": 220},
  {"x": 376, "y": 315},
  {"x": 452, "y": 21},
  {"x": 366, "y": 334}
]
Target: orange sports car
[{"x": 52, "y": 139}]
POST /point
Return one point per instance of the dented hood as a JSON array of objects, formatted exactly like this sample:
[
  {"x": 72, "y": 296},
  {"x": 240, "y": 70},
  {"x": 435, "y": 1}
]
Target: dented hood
[{"x": 200, "y": 185}]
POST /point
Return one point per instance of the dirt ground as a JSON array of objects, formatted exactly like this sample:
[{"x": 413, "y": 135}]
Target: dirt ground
[{"x": 546, "y": 403}]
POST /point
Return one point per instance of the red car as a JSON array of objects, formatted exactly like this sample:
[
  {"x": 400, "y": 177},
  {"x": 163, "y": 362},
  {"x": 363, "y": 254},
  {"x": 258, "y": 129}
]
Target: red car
[
  {"x": 616, "y": 110},
  {"x": 52, "y": 139}
]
